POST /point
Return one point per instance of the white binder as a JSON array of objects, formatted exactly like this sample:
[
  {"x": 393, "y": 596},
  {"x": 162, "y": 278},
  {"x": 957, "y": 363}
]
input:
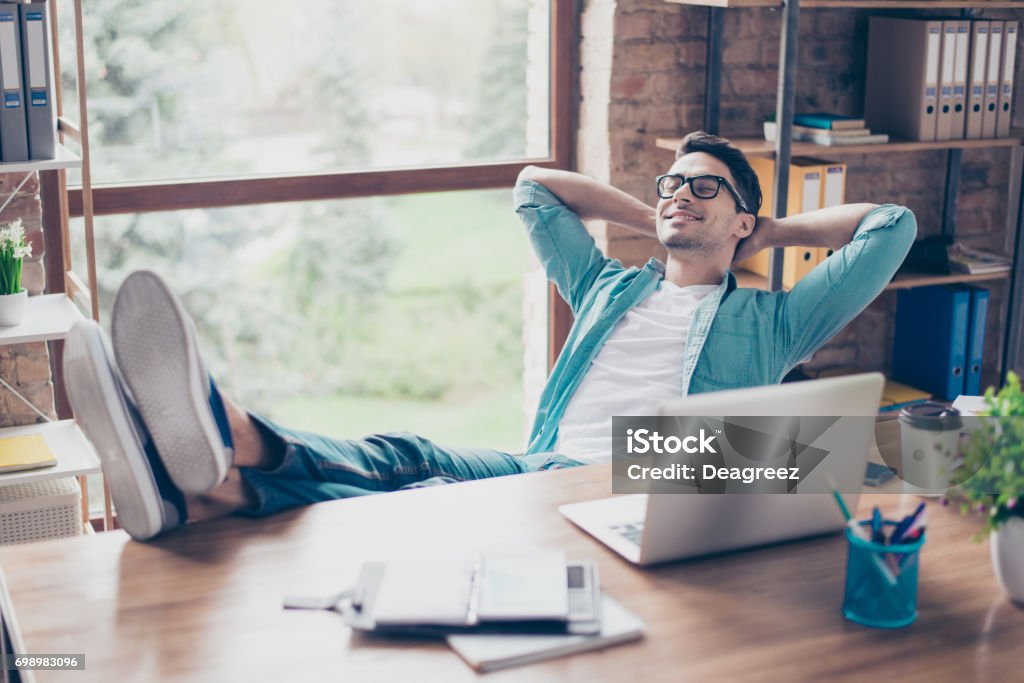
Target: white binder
[
  {"x": 1005, "y": 109},
  {"x": 995, "y": 55},
  {"x": 13, "y": 136},
  {"x": 40, "y": 115},
  {"x": 944, "y": 120},
  {"x": 976, "y": 78},
  {"x": 961, "y": 56}
]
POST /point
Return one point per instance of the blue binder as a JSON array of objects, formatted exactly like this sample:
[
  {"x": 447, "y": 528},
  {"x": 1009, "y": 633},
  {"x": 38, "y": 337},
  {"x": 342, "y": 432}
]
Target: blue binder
[
  {"x": 976, "y": 339},
  {"x": 930, "y": 347}
]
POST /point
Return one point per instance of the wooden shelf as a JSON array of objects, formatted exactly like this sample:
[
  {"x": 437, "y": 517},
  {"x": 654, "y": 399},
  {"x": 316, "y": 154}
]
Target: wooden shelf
[
  {"x": 74, "y": 454},
  {"x": 866, "y": 4},
  {"x": 47, "y": 317},
  {"x": 745, "y": 278},
  {"x": 908, "y": 280},
  {"x": 759, "y": 147},
  {"x": 65, "y": 158}
]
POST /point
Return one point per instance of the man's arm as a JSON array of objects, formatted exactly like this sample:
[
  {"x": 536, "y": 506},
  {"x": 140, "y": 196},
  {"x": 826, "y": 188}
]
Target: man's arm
[
  {"x": 832, "y": 227},
  {"x": 590, "y": 199},
  {"x": 839, "y": 288}
]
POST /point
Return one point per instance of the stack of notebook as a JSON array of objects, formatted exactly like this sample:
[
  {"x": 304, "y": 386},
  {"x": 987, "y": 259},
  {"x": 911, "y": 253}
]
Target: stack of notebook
[
  {"x": 833, "y": 130},
  {"x": 496, "y": 610},
  {"x": 964, "y": 259}
]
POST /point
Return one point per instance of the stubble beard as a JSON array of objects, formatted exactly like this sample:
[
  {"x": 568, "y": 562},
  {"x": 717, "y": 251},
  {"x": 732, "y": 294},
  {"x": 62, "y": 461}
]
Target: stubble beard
[{"x": 699, "y": 242}]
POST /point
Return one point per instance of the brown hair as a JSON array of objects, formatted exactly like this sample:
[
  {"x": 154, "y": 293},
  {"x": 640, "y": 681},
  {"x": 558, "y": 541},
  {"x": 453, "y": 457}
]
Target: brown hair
[{"x": 723, "y": 150}]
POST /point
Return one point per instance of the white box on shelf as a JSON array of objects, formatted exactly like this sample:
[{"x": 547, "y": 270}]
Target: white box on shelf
[{"x": 40, "y": 510}]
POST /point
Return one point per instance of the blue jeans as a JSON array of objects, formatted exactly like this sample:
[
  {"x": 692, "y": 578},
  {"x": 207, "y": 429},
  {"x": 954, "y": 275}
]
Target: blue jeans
[{"x": 317, "y": 468}]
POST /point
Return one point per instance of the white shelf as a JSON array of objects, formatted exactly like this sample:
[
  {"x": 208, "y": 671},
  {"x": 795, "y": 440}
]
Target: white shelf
[
  {"x": 48, "y": 317},
  {"x": 74, "y": 454},
  {"x": 65, "y": 158}
]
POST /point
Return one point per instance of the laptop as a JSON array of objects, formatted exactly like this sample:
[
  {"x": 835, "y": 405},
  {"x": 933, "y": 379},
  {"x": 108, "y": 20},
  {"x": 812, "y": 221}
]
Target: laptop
[{"x": 651, "y": 528}]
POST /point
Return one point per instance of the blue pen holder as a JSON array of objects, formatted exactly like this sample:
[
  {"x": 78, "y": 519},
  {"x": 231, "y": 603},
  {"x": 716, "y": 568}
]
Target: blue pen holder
[{"x": 881, "y": 581}]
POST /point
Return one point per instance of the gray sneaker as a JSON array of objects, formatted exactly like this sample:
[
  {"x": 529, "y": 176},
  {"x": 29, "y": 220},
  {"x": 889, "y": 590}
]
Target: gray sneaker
[
  {"x": 156, "y": 348},
  {"x": 146, "y": 501}
]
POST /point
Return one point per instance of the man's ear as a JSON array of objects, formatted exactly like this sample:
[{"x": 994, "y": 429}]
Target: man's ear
[{"x": 746, "y": 226}]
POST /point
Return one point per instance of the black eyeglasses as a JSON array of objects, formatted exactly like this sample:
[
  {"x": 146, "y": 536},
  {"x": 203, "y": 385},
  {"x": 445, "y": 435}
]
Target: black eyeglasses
[{"x": 703, "y": 186}]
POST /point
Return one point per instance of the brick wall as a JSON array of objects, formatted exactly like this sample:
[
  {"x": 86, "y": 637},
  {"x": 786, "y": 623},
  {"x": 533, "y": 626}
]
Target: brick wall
[
  {"x": 642, "y": 75},
  {"x": 26, "y": 366}
]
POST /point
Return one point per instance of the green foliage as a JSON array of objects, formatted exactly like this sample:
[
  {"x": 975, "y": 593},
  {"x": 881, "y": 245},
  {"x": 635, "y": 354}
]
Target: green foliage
[
  {"x": 13, "y": 250},
  {"x": 498, "y": 124},
  {"x": 395, "y": 301},
  {"x": 991, "y": 479}
]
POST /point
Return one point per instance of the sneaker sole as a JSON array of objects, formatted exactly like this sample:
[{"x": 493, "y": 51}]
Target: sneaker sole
[
  {"x": 100, "y": 409},
  {"x": 159, "y": 357}
]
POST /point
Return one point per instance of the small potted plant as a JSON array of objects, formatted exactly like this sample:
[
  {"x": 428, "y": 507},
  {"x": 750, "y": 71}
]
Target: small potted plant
[
  {"x": 991, "y": 482},
  {"x": 13, "y": 251},
  {"x": 770, "y": 127}
]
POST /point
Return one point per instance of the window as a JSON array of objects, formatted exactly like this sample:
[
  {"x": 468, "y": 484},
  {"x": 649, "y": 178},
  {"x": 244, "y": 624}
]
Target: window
[
  {"x": 250, "y": 87},
  {"x": 349, "y": 317},
  {"x": 223, "y": 136}
]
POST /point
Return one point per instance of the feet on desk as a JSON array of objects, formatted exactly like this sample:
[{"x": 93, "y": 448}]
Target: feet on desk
[
  {"x": 147, "y": 502},
  {"x": 156, "y": 349}
]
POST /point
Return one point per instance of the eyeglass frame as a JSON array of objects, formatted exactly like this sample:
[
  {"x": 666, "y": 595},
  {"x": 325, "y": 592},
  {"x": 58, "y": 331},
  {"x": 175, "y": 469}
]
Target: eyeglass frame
[{"x": 721, "y": 181}]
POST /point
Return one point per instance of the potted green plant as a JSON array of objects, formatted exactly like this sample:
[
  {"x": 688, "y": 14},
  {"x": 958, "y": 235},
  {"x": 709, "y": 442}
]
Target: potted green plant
[
  {"x": 991, "y": 482},
  {"x": 13, "y": 250}
]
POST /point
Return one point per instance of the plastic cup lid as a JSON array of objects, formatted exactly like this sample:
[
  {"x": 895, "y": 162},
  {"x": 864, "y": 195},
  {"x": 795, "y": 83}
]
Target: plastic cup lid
[{"x": 931, "y": 415}]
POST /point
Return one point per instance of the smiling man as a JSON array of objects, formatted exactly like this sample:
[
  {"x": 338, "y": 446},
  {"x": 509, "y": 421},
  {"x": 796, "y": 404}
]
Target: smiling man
[
  {"x": 645, "y": 335},
  {"x": 175, "y": 449}
]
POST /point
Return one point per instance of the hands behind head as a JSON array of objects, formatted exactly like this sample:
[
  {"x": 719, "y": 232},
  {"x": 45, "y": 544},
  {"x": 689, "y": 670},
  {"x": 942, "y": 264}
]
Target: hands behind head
[{"x": 753, "y": 243}]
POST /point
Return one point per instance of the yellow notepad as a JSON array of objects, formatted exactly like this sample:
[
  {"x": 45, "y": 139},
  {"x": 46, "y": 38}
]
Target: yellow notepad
[{"x": 25, "y": 453}]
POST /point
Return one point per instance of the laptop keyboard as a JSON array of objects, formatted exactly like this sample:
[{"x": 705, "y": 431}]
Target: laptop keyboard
[{"x": 631, "y": 532}]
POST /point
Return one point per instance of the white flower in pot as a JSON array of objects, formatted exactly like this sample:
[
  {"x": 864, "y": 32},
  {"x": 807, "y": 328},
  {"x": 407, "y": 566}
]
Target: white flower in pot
[
  {"x": 13, "y": 251},
  {"x": 991, "y": 482}
]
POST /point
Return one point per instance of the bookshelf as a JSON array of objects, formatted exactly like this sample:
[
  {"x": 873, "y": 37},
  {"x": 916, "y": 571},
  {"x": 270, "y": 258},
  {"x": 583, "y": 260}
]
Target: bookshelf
[
  {"x": 784, "y": 148},
  {"x": 745, "y": 278},
  {"x": 50, "y": 317},
  {"x": 762, "y": 148},
  {"x": 937, "y": 5},
  {"x": 75, "y": 456}
]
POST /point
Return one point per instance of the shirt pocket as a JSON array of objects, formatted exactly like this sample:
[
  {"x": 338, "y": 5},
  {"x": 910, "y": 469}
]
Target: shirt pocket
[{"x": 728, "y": 357}]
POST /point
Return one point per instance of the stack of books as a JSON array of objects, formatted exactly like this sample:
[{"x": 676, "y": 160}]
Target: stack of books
[
  {"x": 964, "y": 259},
  {"x": 833, "y": 130}
]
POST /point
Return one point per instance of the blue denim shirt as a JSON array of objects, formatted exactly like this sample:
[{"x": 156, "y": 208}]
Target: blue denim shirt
[{"x": 738, "y": 338}]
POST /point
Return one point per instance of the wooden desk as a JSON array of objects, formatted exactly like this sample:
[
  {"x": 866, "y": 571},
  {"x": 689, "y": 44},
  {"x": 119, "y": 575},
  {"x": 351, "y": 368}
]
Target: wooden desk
[{"x": 204, "y": 603}]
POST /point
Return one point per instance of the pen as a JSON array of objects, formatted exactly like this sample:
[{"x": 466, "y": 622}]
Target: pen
[
  {"x": 857, "y": 530},
  {"x": 876, "y": 526},
  {"x": 905, "y": 524},
  {"x": 839, "y": 499}
]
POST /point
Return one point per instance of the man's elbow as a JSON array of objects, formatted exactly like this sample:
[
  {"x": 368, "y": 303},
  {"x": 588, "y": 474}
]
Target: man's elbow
[
  {"x": 531, "y": 173},
  {"x": 906, "y": 230}
]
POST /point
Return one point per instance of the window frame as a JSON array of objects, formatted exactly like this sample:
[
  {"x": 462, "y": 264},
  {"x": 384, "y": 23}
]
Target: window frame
[{"x": 192, "y": 193}]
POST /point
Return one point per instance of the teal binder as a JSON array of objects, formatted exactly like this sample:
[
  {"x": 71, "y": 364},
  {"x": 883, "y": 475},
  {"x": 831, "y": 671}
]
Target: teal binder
[
  {"x": 930, "y": 345},
  {"x": 976, "y": 339}
]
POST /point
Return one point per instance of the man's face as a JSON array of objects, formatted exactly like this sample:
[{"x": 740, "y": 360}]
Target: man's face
[{"x": 687, "y": 222}]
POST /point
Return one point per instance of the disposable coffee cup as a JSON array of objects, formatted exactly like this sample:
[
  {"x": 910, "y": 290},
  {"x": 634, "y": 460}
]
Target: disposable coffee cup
[{"x": 929, "y": 438}]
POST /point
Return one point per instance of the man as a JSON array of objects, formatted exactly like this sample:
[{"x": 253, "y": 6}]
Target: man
[{"x": 174, "y": 449}]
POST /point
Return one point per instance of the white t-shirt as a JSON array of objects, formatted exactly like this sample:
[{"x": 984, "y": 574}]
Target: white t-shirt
[{"x": 639, "y": 367}]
